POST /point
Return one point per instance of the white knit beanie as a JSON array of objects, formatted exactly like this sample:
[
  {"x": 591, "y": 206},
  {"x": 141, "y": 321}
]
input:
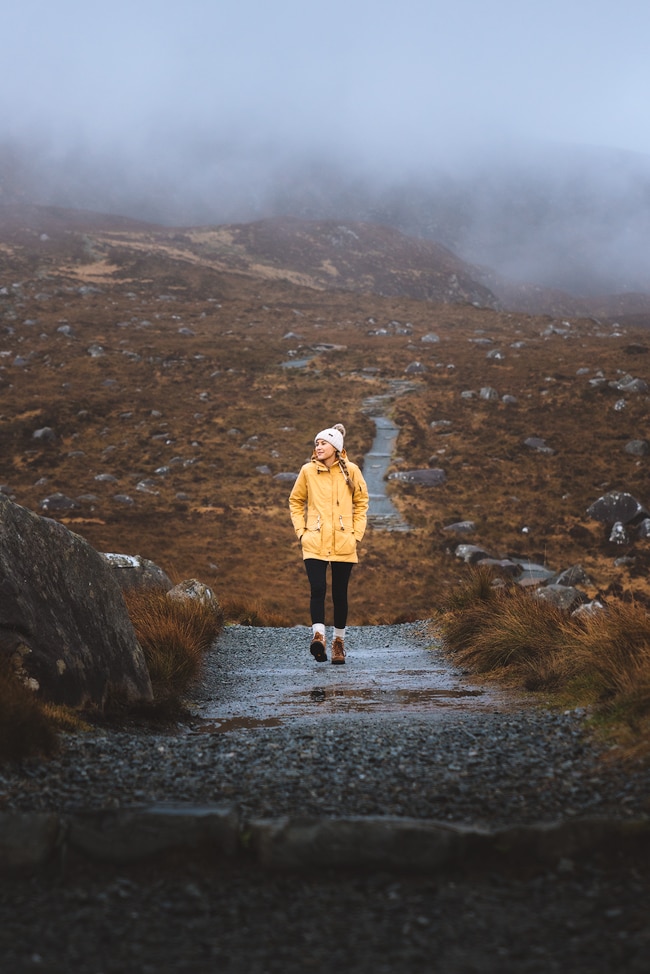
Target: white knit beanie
[{"x": 333, "y": 435}]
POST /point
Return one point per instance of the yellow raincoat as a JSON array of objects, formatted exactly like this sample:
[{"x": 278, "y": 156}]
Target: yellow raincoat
[{"x": 329, "y": 517}]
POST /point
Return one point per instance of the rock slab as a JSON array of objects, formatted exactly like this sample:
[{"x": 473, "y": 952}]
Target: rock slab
[{"x": 63, "y": 620}]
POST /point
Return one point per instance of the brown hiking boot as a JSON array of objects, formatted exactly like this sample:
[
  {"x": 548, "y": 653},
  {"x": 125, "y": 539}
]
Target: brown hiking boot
[
  {"x": 317, "y": 648},
  {"x": 338, "y": 652}
]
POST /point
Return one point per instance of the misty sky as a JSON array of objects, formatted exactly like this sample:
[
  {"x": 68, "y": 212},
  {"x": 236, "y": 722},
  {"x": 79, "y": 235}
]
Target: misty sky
[{"x": 380, "y": 79}]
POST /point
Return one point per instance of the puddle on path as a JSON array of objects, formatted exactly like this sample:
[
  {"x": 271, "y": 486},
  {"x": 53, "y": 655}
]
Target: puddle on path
[
  {"x": 391, "y": 671},
  {"x": 237, "y": 723},
  {"x": 362, "y": 699}
]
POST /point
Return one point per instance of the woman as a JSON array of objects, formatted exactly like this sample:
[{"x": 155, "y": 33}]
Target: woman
[{"x": 329, "y": 509}]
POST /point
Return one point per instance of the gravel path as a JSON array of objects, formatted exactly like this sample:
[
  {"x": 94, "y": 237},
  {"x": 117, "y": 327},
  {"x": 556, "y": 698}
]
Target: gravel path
[{"x": 396, "y": 731}]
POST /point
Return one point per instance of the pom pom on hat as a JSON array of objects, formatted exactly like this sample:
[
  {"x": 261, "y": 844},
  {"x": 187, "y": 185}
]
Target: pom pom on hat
[{"x": 334, "y": 435}]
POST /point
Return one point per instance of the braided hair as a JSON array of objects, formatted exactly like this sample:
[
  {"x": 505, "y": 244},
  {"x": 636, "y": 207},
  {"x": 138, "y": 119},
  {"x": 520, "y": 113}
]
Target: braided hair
[{"x": 342, "y": 464}]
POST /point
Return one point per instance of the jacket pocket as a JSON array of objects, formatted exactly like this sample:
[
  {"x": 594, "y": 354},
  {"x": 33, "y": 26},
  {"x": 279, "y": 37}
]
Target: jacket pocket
[
  {"x": 344, "y": 541},
  {"x": 311, "y": 541}
]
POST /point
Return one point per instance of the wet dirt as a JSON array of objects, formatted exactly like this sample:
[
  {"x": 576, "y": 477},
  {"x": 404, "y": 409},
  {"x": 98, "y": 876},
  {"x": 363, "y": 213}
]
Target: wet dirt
[{"x": 265, "y": 677}]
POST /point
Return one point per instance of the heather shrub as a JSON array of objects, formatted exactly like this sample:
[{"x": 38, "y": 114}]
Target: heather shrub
[
  {"x": 174, "y": 635},
  {"x": 601, "y": 659}
]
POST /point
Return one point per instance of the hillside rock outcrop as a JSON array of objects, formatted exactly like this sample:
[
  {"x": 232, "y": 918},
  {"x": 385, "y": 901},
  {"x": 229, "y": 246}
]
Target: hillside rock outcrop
[
  {"x": 134, "y": 571},
  {"x": 63, "y": 620}
]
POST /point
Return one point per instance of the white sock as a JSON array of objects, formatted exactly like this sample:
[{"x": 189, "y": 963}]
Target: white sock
[
  {"x": 318, "y": 627},
  {"x": 339, "y": 633}
]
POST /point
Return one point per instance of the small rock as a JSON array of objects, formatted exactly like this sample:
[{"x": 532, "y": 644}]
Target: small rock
[
  {"x": 638, "y": 448},
  {"x": 58, "y": 502},
  {"x": 46, "y": 434},
  {"x": 431, "y": 477},
  {"x": 538, "y": 444},
  {"x": 619, "y": 535},
  {"x": 415, "y": 368}
]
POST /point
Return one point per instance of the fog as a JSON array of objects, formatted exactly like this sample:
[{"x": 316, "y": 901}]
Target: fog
[{"x": 207, "y": 111}]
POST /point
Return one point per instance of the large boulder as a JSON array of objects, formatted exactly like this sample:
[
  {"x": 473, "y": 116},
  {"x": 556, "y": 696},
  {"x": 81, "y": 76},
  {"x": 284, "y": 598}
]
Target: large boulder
[{"x": 63, "y": 620}]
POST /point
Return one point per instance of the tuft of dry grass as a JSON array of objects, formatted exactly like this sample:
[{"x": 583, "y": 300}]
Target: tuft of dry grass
[
  {"x": 613, "y": 647},
  {"x": 174, "y": 635},
  {"x": 601, "y": 659},
  {"x": 254, "y": 613},
  {"x": 26, "y": 728}
]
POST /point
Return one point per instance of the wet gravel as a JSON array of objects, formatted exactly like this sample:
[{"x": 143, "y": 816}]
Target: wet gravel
[{"x": 483, "y": 763}]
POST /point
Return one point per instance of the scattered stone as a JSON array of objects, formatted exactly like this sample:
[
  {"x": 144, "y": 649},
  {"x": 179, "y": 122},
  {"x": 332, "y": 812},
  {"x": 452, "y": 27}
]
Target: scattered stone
[
  {"x": 95, "y": 351},
  {"x": 123, "y": 499},
  {"x": 430, "y": 338},
  {"x": 147, "y": 487},
  {"x": 508, "y": 400},
  {"x": 192, "y": 590},
  {"x": 616, "y": 506},
  {"x": 46, "y": 434},
  {"x": 619, "y": 535},
  {"x": 415, "y": 368},
  {"x": 461, "y": 527},
  {"x": 535, "y": 573},
  {"x": 629, "y": 384},
  {"x": 503, "y": 565},
  {"x": 286, "y": 476},
  {"x": 431, "y": 477},
  {"x": 563, "y": 596},
  {"x": 643, "y": 532},
  {"x": 576, "y": 575},
  {"x": 538, "y": 444},
  {"x": 588, "y": 608},
  {"x": 58, "y": 502},
  {"x": 487, "y": 392},
  {"x": 638, "y": 448},
  {"x": 471, "y": 553}
]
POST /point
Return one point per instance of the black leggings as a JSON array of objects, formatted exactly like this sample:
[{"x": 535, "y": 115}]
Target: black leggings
[{"x": 317, "y": 575}]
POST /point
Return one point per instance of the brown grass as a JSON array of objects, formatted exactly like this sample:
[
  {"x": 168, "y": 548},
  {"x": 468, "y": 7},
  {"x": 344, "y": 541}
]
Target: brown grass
[
  {"x": 174, "y": 635},
  {"x": 26, "y": 729},
  {"x": 613, "y": 647},
  {"x": 254, "y": 613},
  {"x": 601, "y": 660}
]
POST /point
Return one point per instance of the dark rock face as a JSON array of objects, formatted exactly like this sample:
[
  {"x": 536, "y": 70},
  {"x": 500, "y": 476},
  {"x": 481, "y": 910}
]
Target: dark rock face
[{"x": 62, "y": 616}]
